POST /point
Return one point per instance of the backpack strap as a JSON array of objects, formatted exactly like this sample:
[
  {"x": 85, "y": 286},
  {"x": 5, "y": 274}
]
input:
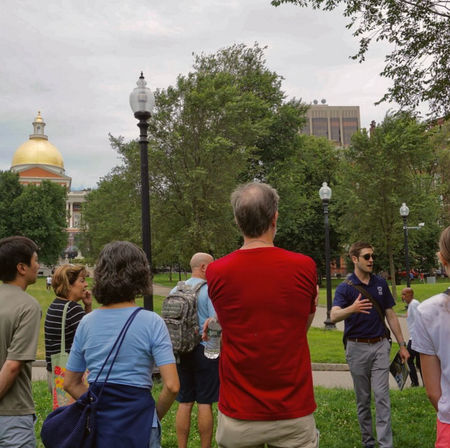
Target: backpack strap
[
  {"x": 198, "y": 286},
  {"x": 376, "y": 305}
]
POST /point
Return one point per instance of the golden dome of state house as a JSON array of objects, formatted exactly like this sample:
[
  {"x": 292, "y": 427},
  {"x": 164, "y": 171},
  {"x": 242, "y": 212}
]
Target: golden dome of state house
[{"x": 37, "y": 159}]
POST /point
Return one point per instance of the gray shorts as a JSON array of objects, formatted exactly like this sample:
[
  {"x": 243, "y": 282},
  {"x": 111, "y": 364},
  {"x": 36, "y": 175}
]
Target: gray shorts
[{"x": 17, "y": 431}]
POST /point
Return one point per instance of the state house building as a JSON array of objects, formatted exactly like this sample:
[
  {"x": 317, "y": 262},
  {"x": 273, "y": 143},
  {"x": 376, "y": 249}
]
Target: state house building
[
  {"x": 336, "y": 123},
  {"x": 37, "y": 160}
]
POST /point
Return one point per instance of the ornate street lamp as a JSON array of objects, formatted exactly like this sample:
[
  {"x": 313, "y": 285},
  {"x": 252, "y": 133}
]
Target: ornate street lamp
[
  {"x": 404, "y": 212},
  {"x": 142, "y": 103},
  {"x": 325, "y": 196}
]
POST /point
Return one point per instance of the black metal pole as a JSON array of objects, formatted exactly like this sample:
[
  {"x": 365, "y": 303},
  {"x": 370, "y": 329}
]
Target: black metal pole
[
  {"x": 145, "y": 201},
  {"x": 328, "y": 324},
  {"x": 405, "y": 232}
]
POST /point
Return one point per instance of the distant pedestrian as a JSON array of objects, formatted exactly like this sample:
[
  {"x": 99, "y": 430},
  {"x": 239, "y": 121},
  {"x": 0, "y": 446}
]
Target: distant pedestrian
[
  {"x": 365, "y": 301},
  {"x": 431, "y": 339},
  {"x": 48, "y": 282},
  {"x": 20, "y": 315},
  {"x": 412, "y": 304}
]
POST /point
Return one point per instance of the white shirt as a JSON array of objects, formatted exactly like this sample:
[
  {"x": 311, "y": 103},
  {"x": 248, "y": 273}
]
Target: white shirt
[
  {"x": 412, "y": 310},
  {"x": 432, "y": 336}
]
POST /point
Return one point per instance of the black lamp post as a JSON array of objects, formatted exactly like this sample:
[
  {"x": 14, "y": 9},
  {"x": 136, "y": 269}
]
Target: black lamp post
[
  {"x": 325, "y": 195},
  {"x": 142, "y": 102},
  {"x": 404, "y": 212}
]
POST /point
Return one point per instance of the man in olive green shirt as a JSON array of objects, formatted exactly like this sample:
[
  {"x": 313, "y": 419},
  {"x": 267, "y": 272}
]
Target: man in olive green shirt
[{"x": 20, "y": 316}]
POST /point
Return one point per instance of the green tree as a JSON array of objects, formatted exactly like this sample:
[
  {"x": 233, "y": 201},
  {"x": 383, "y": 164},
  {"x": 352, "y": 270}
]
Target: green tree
[
  {"x": 38, "y": 212},
  {"x": 10, "y": 189},
  {"x": 440, "y": 137},
  {"x": 380, "y": 171},
  {"x": 298, "y": 180},
  {"x": 208, "y": 134},
  {"x": 112, "y": 210},
  {"x": 225, "y": 123},
  {"x": 419, "y": 34}
]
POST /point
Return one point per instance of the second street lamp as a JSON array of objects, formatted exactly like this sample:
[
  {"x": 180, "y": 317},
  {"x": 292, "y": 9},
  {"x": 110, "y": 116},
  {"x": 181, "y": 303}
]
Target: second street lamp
[
  {"x": 142, "y": 102},
  {"x": 325, "y": 196},
  {"x": 404, "y": 212}
]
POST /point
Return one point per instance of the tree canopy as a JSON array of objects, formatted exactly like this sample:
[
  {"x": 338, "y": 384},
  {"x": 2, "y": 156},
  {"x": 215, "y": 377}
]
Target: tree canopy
[
  {"x": 38, "y": 212},
  {"x": 224, "y": 123},
  {"x": 380, "y": 171},
  {"x": 419, "y": 34}
]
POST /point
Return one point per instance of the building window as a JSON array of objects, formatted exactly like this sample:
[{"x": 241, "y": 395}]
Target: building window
[{"x": 320, "y": 127}]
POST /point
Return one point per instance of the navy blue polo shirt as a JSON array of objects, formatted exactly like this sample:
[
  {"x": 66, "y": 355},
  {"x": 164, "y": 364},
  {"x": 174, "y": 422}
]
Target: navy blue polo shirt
[{"x": 360, "y": 325}]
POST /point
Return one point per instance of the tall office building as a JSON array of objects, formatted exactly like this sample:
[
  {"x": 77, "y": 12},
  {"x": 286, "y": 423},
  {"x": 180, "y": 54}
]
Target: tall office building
[{"x": 336, "y": 123}]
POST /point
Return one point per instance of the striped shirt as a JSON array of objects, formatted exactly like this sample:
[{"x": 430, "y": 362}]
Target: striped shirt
[{"x": 52, "y": 327}]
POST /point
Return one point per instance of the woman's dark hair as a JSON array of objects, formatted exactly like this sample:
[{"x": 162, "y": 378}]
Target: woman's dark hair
[
  {"x": 122, "y": 272},
  {"x": 64, "y": 277}
]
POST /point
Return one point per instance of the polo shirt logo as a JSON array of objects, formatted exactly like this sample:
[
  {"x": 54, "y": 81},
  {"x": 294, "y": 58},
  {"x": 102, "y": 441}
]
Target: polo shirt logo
[{"x": 380, "y": 290}]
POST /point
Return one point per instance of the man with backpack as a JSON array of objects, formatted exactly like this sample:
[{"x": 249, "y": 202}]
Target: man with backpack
[
  {"x": 199, "y": 376},
  {"x": 364, "y": 301}
]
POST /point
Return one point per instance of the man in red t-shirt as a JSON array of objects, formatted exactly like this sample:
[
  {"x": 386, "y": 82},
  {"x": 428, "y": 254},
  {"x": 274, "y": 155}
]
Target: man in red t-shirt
[{"x": 264, "y": 297}]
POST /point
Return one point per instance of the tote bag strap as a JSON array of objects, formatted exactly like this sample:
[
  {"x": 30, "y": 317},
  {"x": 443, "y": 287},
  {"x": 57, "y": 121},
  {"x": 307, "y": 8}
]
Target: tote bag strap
[{"x": 63, "y": 328}]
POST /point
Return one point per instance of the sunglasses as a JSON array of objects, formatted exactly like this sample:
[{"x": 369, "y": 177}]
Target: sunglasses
[{"x": 368, "y": 256}]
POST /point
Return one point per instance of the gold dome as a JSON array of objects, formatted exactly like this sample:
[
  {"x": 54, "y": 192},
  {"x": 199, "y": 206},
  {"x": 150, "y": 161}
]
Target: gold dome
[{"x": 37, "y": 151}]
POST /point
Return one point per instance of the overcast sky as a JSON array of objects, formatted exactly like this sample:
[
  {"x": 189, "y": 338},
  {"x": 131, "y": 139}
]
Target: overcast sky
[{"x": 78, "y": 61}]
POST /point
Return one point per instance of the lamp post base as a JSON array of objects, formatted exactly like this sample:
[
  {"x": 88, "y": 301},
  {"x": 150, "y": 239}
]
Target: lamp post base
[{"x": 329, "y": 325}]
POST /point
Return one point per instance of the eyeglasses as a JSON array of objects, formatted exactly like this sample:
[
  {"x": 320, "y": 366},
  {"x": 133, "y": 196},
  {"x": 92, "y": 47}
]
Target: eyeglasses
[{"x": 368, "y": 256}]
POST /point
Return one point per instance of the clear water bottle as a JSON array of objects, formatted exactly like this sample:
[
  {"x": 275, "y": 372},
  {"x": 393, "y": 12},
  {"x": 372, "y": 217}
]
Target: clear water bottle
[{"x": 212, "y": 347}]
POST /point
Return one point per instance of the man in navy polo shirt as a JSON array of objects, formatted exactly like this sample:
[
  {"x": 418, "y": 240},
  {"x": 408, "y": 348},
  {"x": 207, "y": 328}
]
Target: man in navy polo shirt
[{"x": 368, "y": 348}]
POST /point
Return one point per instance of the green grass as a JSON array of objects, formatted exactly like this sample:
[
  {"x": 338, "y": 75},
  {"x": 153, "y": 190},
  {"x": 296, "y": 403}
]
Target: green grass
[
  {"x": 413, "y": 418},
  {"x": 326, "y": 346},
  {"x": 163, "y": 278}
]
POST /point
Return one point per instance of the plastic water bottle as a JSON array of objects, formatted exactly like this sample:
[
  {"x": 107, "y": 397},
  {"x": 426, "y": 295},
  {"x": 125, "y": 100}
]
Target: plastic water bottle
[{"x": 212, "y": 347}]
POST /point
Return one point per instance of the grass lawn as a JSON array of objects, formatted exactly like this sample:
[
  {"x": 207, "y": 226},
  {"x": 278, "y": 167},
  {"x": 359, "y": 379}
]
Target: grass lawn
[
  {"x": 413, "y": 418},
  {"x": 326, "y": 346}
]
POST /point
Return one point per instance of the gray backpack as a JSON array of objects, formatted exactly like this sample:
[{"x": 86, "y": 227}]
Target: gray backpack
[{"x": 179, "y": 311}]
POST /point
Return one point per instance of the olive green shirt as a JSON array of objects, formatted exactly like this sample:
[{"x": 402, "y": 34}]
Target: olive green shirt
[{"x": 20, "y": 316}]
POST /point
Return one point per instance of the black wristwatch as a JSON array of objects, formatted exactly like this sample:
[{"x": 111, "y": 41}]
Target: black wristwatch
[{"x": 402, "y": 344}]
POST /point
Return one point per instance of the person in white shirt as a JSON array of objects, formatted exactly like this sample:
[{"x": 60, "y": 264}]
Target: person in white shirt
[
  {"x": 432, "y": 333},
  {"x": 412, "y": 304}
]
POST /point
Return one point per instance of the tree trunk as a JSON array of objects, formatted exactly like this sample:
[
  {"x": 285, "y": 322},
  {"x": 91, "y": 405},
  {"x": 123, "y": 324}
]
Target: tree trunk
[{"x": 392, "y": 270}]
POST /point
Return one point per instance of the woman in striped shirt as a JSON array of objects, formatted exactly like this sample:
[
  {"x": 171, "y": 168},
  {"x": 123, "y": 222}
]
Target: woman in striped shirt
[{"x": 69, "y": 284}]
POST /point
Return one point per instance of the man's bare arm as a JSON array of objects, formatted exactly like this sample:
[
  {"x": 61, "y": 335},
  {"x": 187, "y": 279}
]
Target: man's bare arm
[
  {"x": 8, "y": 374},
  {"x": 431, "y": 371},
  {"x": 394, "y": 325}
]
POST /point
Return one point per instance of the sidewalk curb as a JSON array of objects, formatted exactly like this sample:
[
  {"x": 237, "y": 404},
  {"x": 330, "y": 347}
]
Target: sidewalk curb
[{"x": 316, "y": 366}]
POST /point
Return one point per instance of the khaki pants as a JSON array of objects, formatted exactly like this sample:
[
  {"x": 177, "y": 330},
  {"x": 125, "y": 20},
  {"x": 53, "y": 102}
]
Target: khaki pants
[{"x": 292, "y": 433}]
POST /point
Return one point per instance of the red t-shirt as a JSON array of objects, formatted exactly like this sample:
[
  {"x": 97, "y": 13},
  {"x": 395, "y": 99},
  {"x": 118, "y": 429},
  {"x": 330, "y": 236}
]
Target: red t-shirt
[{"x": 263, "y": 297}]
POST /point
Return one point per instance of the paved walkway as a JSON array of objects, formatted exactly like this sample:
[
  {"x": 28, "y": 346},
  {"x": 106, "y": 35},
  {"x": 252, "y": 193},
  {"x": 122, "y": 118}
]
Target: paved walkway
[{"x": 324, "y": 374}]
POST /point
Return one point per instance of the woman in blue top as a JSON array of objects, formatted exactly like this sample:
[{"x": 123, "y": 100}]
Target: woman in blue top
[{"x": 126, "y": 413}]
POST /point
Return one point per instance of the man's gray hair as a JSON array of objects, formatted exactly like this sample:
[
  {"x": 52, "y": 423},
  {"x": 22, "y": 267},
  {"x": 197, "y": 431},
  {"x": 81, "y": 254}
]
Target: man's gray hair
[{"x": 254, "y": 206}]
